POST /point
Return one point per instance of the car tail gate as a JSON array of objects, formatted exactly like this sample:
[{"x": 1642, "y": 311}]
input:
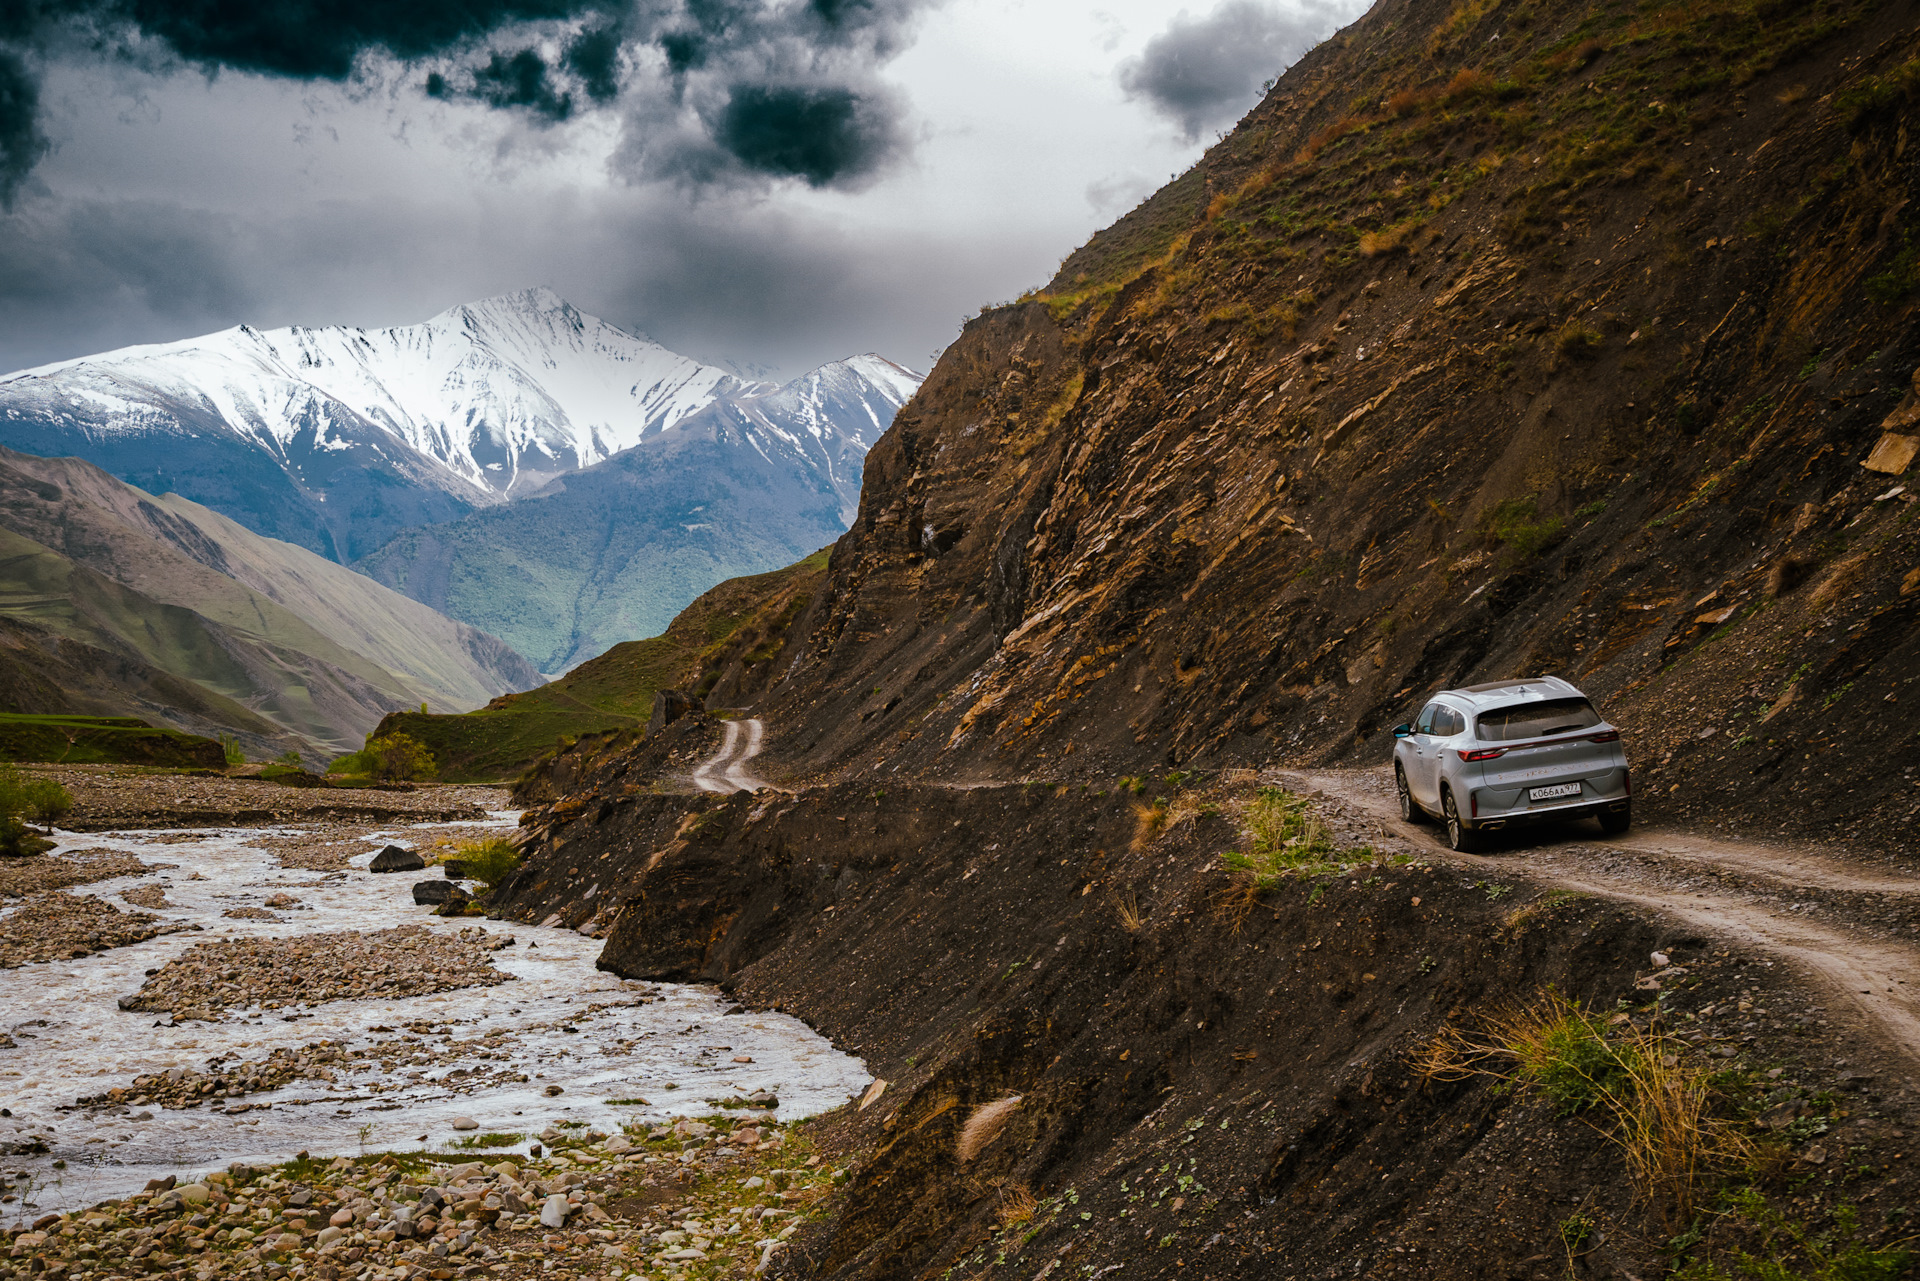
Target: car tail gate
[{"x": 1558, "y": 760}]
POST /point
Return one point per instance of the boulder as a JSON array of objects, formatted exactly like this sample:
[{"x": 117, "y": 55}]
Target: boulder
[
  {"x": 457, "y": 902},
  {"x": 669, "y": 705},
  {"x": 553, "y": 1211},
  {"x": 395, "y": 859},
  {"x": 456, "y": 869},
  {"x": 433, "y": 893}
]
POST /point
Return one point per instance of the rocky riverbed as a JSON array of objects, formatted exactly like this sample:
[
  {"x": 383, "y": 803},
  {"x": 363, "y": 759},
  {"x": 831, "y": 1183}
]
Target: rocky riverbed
[
  {"x": 272, "y": 1009},
  {"x": 716, "y": 1197}
]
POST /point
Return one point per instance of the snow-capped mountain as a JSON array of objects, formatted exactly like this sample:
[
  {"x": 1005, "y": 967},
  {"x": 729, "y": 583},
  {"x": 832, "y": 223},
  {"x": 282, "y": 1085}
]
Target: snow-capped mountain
[
  {"x": 752, "y": 482},
  {"x": 368, "y": 430}
]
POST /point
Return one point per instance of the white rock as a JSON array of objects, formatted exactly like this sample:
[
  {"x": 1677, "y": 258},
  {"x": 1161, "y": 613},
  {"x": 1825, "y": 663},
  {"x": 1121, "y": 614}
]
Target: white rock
[
  {"x": 465, "y": 1123},
  {"x": 553, "y": 1211},
  {"x": 1661, "y": 959}
]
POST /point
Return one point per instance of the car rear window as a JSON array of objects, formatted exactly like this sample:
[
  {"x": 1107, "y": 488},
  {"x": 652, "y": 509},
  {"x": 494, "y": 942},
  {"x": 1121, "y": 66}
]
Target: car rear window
[{"x": 1537, "y": 720}]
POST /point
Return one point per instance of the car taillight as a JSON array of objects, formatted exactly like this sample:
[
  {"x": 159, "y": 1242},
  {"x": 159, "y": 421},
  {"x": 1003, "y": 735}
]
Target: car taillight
[
  {"x": 1611, "y": 736},
  {"x": 1485, "y": 753}
]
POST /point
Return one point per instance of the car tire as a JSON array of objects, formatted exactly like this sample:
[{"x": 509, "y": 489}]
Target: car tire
[
  {"x": 1460, "y": 838},
  {"x": 1410, "y": 811},
  {"x": 1615, "y": 823}
]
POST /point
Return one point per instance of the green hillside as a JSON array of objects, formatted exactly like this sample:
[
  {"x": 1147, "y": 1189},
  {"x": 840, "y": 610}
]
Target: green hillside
[
  {"x": 615, "y": 690},
  {"x": 103, "y": 740}
]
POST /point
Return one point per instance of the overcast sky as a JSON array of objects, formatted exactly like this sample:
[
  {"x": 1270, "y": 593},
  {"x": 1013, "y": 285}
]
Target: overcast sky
[{"x": 771, "y": 183}]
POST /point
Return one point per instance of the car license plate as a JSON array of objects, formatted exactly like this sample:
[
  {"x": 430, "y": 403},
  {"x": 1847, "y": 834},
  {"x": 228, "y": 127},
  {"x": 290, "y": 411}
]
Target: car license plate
[{"x": 1554, "y": 793}]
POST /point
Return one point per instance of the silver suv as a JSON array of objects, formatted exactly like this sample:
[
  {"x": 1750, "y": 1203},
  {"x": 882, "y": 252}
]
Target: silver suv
[{"x": 1494, "y": 756}]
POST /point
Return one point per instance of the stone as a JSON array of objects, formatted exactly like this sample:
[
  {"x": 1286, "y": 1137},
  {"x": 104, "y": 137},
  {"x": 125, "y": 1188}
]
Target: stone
[
  {"x": 328, "y": 1236},
  {"x": 669, "y": 705},
  {"x": 617, "y": 1144},
  {"x": 457, "y": 902},
  {"x": 554, "y": 1211},
  {"x": 341, "y": 1218},
  {"x": 395, "y": 859},
  {"x": 553, "y": 1090},
  {"x": 455, "y": 868},
  {"x": 465, "y": 1123},
  {"x": 506, "y": 1170},
  {"x": 193, "y": 1193},
  {"x": 433, "y": 893},
  {"x": 1893, "y": 454}
]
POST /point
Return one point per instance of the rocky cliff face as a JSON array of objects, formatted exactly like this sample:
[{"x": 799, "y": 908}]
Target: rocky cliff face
[{"x": 1564, "y": 347}]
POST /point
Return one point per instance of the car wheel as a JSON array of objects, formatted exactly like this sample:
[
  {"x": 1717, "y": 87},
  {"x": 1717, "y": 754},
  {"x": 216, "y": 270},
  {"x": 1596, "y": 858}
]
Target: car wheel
[
  {"x": 1410, "y": 811},
  {"x": 1614, "y": 822},
  {"x": 1459, "y": 836}
]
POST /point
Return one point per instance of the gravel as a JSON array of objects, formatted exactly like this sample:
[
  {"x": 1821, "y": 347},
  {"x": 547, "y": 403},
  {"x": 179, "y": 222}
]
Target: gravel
[
  {"x": 313, "y": 969},
  {"x": 149, "y": 896},
  {"x": 58, "y": 927},
  {"x": 20, "y": 877},
  {"x": 594, "y": 1206},
  {"x": 117, "y": 796}
]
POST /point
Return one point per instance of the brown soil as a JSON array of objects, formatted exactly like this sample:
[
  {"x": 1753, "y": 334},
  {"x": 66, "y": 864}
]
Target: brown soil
[
  {"x": 1216, "y": 1080},
  {"x": 1847, "y": 928}
]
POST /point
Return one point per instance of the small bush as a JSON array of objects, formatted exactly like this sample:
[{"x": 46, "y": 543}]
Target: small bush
[
  {"x": 24, "y": 798},
  {"x": 399, "y": 757},
  {"x": 489, "y": 861},
  {"x": 1653, "y": 1100},
  {"x": 1516, "y": 524},
  {"x": 1286, "y": 839},
  {"x": 1578, "y": 341},
  {"x": 231, "y": 747},
  {"x": 358, "y": 764}
]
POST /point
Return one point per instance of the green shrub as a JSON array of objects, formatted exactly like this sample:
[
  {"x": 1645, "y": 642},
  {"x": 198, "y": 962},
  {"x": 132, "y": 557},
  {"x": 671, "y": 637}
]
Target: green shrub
[
  {"x": 399, "y": 757},
  {"x": 1285, "y": 839},
  {"x": 490, "y": 860},
  {"x": 24, "y": 798},
  {"x": 358, "y": 764},
  {"x": 231, "y": 746},
  {"x": 1517, "y": 525}
]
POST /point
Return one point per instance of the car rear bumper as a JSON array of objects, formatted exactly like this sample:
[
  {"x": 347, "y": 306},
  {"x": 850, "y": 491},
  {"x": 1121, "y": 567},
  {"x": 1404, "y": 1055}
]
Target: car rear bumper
[{"x": 1492, "y": 808}]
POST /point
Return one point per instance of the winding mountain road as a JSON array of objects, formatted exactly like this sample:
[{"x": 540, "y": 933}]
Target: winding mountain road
[
  {"x": 726, "y": 770},
  {"x": 1850, "y": 926}
]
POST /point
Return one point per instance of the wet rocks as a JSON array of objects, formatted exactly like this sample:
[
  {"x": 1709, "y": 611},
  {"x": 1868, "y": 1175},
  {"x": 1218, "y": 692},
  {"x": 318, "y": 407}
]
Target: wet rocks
[
  {"x": 146, "y": 896},
  {"x": 20, "y": 877},
  {"x": 59, "y": 927},
  {"x": 395, "y": 859},
  {"x": 455, "y": 868},
  {"x": 250, "y": 914},
  {"x": 434, "y": 893},
  {"x": 458, "y": 903},
  {"x": 312, "y": 969}
]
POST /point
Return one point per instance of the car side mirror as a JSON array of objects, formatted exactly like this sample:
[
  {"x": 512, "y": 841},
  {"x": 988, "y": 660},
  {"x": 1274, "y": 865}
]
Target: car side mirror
[{"x": 1401, "y": 731}]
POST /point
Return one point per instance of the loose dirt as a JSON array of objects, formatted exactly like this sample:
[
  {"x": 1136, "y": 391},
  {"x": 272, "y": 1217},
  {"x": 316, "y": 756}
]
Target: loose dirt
[{"x": 1848, "y": 925}]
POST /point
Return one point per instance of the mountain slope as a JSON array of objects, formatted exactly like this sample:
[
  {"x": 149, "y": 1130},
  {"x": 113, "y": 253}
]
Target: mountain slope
[
  {"x": 1563, "y": 352},
  {"x": 729, "y": 628},
  {"x": 613, "y": 552},
  {"x": 316, "y": 649},
  {"x": 334, "y": 438}
]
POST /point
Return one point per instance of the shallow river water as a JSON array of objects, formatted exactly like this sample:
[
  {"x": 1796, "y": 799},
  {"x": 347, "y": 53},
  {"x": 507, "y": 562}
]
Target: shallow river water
[{"x": 676, "y": 1050}]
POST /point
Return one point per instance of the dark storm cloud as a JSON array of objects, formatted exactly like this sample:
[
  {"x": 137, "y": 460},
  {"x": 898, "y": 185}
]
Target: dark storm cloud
[
  {"x": 21, "y": 142},
  {"x": 1206, "y": 71},
  {"x": 736, "y": 90}
]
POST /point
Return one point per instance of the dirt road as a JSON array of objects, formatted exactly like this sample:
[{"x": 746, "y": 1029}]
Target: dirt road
[
  {"x": 1853, "y": 929},
  {"x": 726, "y": 770}
]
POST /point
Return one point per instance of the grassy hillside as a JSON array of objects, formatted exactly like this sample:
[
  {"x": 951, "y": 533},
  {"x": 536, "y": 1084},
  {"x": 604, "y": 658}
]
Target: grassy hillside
[
  {"x": 733, "y": 625},
  {"x": 103, "y": 740}
]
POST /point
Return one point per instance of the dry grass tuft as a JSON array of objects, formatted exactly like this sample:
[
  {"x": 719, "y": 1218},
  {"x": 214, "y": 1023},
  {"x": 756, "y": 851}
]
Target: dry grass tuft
[
  {"x": 1656, "y": 1101},
  {"x": 1017, "y": 1205},
  {"x": 1132, "y": 919},
  {"x": 1388, "y": 240},
  {"x": 984, "y": 1126},
  {"x": 1148, "y": 822},
  {"x": 1841, "y": 581}
]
